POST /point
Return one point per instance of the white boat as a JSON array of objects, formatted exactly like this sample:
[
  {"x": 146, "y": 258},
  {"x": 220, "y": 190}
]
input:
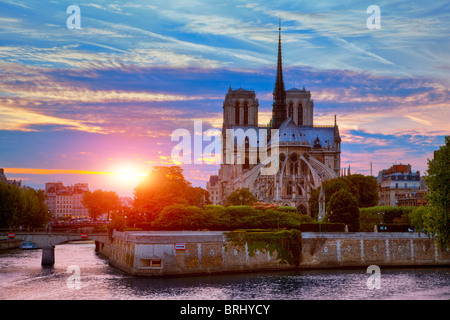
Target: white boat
[{"x": 28, "y": 245}]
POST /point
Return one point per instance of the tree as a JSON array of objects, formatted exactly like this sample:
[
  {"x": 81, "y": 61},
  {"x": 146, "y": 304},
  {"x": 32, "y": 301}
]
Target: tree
[
  {"x": 343, "y": 207},
  {"x": 197, "y": 196},
  {"x": 41, "y": 214},
  {"x": 180, "y": 217},
  {"x": 24, "y": 207},
  {"x": 163, "y": 187},
  {"x": 329, "y": 187},
  {"x": 436, "y": 219},
  {"x": 416, "y": 217},
  {"x": 100, "y": 202},
  {"x": 241, "y": 197},
  {"x": 364, "y": 188}
]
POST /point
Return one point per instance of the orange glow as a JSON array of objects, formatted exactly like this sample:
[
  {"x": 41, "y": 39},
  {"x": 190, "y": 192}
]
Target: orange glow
[
  {"x": 126, "y": 174},
  {"x": 53, "y": 171}
]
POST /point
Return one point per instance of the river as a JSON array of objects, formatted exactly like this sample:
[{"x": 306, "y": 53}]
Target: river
[{"x": 23, "y": 278}]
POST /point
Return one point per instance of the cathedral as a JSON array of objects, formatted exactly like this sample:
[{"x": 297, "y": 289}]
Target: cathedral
[{"x": 307, "y": 154}]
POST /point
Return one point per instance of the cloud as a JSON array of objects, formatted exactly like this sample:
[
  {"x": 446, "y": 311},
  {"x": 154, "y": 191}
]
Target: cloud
[{"x": 135, "y": 72}]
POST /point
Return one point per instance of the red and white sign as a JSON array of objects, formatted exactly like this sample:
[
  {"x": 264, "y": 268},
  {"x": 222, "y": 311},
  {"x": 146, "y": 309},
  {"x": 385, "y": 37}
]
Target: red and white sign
[
  {"x": 84, "y": 236},
  {"x": 11, "y": 235},
  {"x": 180, "y": 246}
]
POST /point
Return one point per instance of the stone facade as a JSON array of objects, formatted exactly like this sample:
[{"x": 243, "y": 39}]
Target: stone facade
[
  {"x": 400, "y": 186},
  {"x": 66, "y": 201},
  {"x": 155, "y": 254}
]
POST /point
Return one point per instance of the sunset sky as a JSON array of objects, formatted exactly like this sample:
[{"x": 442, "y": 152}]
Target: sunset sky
[{"x": 99, "y": 104}]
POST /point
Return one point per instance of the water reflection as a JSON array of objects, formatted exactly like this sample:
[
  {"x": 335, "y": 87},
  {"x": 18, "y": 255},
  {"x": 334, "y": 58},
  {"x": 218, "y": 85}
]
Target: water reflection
[{"x": 22, "y": 277}]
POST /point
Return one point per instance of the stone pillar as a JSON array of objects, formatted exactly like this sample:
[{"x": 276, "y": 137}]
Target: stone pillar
[{"x": 48, "y": 256}]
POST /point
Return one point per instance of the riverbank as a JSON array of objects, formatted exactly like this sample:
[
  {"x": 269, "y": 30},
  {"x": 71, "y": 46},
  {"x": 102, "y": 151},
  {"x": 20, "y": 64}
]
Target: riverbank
[{"x": 207, "y": 252}]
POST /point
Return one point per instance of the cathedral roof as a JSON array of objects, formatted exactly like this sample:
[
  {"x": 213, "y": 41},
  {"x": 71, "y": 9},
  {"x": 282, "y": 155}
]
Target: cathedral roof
[
  {"x": 289, "y": 132},
  {"x": 320, "y": 137},
  {"x": 316, "y": 136}
]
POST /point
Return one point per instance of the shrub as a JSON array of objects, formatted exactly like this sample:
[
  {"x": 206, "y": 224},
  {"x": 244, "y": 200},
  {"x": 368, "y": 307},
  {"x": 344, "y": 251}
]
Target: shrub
[
  {"x": 179, "y": 217},
  {"x": 369, "y": 217}
]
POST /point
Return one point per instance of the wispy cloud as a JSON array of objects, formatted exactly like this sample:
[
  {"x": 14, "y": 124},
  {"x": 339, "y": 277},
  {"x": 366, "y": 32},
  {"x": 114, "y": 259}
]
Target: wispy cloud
[{"x": 136, "y": 71}]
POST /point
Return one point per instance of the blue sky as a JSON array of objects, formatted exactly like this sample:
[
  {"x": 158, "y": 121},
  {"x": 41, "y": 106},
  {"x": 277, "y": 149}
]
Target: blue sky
[{"x": 112, "y": 92}]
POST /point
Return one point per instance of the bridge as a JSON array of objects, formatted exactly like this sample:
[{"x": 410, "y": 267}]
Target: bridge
[{"x": 48, "y": 240}]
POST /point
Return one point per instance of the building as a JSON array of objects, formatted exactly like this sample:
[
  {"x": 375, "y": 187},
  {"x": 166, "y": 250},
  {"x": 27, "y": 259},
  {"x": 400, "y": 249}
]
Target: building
[
  {"x": 212, "y": 186},
  {"x": 399, "y": 185},
  {"x": 66, "y": 201},
  {"x": 413, "y": 199},
  {"x": 2, "y": 176},
  {"x": 4, "y": 179},
  {"x": 304, "y": 154}
]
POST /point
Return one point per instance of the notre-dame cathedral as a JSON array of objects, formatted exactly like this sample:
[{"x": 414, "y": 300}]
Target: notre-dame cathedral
[{"x": 307, "y": 154}]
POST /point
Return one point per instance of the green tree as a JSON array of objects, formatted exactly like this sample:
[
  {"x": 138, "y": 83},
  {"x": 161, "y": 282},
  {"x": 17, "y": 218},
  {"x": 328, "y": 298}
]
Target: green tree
[
  {"x": 100, "y": 202},
  {"x": 436, "y": 220},
  {"x": 330, "y": 187},
  {"x": 241, "y": 197},
  {"x": 166, "y": 186},
  {"x": 416, "y": 217},
  {"x": 40, "y": 214},
  {"x": 180, "y": 217},
  {"x": 197, "y": 196},
  {"x": 24, "y": 207},
  {"x": 364, "y": 188},
  {"x": 343, "y": 207}
]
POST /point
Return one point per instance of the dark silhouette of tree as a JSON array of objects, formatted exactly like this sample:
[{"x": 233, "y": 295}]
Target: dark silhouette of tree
[
  {"x": 343, "y": 207},
  {"x": 22, "y": 206},
  {"x": 241, "y": 197},
  {"x": 100, "y": 202}
]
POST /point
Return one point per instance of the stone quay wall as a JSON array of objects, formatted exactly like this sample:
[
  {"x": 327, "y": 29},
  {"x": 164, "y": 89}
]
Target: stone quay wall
[
  {"x": 205, "y": 252},
  {"x": 9, "y": 244}
]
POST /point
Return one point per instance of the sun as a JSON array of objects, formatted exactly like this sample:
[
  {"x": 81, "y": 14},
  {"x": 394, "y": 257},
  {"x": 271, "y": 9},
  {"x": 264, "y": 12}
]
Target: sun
[{"x": 129, "y": 174}]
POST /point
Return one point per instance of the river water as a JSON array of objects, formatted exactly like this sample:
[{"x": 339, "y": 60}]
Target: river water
[{"x": 23, "y": 278}]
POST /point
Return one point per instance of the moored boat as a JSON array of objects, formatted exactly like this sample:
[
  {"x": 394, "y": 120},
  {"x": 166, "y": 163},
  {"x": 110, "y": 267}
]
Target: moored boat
[{"x": 28, "y": 245}]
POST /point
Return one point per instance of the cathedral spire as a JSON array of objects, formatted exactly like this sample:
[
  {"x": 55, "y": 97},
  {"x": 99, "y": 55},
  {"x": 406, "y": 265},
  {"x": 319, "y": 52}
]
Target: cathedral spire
[{"x": 279, "y": 94}]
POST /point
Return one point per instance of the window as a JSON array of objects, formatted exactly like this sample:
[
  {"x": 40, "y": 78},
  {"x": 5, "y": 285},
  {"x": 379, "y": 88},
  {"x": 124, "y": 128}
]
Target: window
[
  {"x": 291, "y": 110},
  {"x": 245, "y": 112},
  {"x": 300, "y": 115},
  {"x": 150, "y": 264},
  {"x": 247, "y": 154},
  {"x": 236, "y": 113}
]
